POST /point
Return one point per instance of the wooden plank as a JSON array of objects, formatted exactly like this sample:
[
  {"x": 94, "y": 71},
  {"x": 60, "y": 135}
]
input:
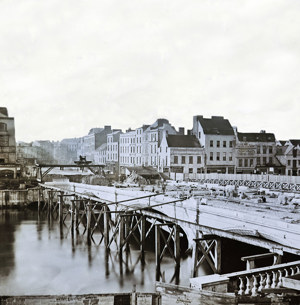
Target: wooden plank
[{"x": 173, "y": 294}]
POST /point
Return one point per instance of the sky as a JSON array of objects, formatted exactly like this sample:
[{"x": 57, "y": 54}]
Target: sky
[{"x": 68, "y": 66}]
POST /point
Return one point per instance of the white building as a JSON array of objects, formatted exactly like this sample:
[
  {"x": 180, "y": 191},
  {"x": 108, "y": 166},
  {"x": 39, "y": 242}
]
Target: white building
[
  {"x": 217, "y": 136},
  {"x": 181, "y": 156}
]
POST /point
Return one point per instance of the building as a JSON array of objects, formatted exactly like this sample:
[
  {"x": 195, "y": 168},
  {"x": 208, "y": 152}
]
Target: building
[
  {"x": 256, "y": 153},
  {"x": 8, "y": 166},
  {"x": 112, "y": 151},
  {"x": 181, "y": 156},
  {"x": 89, "y": 143},
  {"x": 288, "y": 153},
  {"x": 152, "y": 139},
  {"x": 100, "y": 154},
  {"x": 128, "y": 148},
  {"x": 217, "y": 136}
]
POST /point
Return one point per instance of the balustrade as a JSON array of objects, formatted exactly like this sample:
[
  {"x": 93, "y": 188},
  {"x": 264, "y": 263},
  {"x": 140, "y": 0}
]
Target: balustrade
[{"x": 254, "y": 282}]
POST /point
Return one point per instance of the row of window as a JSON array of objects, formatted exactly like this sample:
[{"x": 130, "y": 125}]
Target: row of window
[
  {"x": 264, "y": 149},
  {"x": 220, "y": 157},
  {"x": 189, "y": 159},
  {"x": 218, "y": 143}
]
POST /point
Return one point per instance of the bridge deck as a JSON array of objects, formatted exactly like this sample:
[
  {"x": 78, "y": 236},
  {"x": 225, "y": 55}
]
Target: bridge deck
[{"x": 257, "y": 224}]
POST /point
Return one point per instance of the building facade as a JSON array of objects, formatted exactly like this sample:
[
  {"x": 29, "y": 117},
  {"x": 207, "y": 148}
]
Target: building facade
[
  {"x": 181, "y": 156},
  {"x": 8, "y": 157},
  {"x": 217, "y": 137},
  {"x": 256, "y": 153}
]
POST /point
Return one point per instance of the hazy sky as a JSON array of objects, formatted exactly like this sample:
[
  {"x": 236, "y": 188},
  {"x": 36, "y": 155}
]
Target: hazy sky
[{"x": 67, "y": 66}]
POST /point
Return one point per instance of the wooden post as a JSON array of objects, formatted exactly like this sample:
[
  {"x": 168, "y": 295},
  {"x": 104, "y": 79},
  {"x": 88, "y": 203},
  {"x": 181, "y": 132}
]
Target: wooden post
[
  {"x": 142, "y": 239},
  {"x": 77, "y": 204},
  {"x": 106, "y": 238},
  {"x": 127, "y": 249},
  {"x": 157, "y": 253},
  {"x": 106, "y": 226},
  {"x": 61, "y": 203},
  {"x": 218, "y": 255},
  {"x": 88, "y": 223},
  {"x": 72, "y": 215},
  {"x": 195, "y": 259},
  {"x": 121, "y": 238},
  {"x": 195, "y": 246},
  {"x": 177, "y": 253},
  {"x": 39, "y": 200}
]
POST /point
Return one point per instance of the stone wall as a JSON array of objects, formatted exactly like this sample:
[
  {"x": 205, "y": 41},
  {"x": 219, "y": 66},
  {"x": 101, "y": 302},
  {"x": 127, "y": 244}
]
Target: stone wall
[{"x": 91, "y": 299}]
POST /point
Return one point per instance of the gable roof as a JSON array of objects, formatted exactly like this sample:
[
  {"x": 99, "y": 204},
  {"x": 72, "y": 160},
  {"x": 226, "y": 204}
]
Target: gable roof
[
  {"x": 216, "y": 125},
  {"x": 256, "y": 137},
  {"x": 182, "y": 141},
  {"x": 295, "y": 142}
]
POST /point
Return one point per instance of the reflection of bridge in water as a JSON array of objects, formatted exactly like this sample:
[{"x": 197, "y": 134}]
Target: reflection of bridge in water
[{"x": 221, "y": 234}]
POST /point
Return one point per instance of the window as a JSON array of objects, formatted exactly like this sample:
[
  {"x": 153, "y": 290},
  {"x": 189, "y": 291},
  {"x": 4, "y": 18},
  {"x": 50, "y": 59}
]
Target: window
[
  {"x": 264, "y": 149},
  {"x": 183, "y": 160},
  {"x": 191, "y": 159},
  {"x": 190, "y": 170},
  {"x": 230, "y": 157},
  {"x": 258, "y": 161},
  {"x": 224, "y": 143},
  {"x": 218, "y": 143},
  {"x": 199, "y": 135},
  {"x": 199, "y": 159},
  {"x": 224, "y": 156},
  {"x": 211, "y": 143},
  {"x": 289, "y": 162},
  {"x": 270, "y": 150},
  {"x": 240, "y": 162},
  {"x": 258, "y": 149},
  {"x": 211, "y": 156},
  {"x": 3, "y": 127},
  {"x": 199, "y": 171},
  {"x": 246, "y": 162},
  {"x": 218, "y": 156},
  {"x": 251, "y": 162},
  {"x": 175, "y": 159},
  {"x": 264, "y": 160},
  {"x": 230, "y": 144}
]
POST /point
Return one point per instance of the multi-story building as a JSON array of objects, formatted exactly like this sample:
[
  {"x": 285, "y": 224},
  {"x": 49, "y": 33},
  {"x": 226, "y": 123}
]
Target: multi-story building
[
  {"x": 152, "y": 139},
  {"x": 217, "y": 136},
  {"x": 181, "y": 156},
  {"x": 100, "y": 154},
  {"x": 256, "y": 153},
  {"x": 140, "y": 146},
  {"x": 128, "y": 148},
  {"x": 112, "y": 151},
  {"x": 8, "y": 166},
  {"x": 89, "y": 143},
  {"x": 288, "y": 153}
]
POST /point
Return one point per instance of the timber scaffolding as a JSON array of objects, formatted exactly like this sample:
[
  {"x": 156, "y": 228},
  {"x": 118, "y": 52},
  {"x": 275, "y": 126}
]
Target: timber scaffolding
[{"x": 114, "y": 224}]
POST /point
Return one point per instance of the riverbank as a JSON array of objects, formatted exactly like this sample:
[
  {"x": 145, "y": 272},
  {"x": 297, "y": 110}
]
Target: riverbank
[{"x": 18, "y": 198}]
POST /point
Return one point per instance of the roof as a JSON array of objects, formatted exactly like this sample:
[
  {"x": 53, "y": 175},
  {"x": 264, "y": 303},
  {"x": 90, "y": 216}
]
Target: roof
[
  {"x": 216, "y": 125},
  {"x": 159, "y": 123},
  {"x": 3, "y": 112},
  {"x": 144, "y": 171},
  {"x": 182, "y": 141},
  {"x": 295, "y": 142},
  {"x": 256, "y": 137}
]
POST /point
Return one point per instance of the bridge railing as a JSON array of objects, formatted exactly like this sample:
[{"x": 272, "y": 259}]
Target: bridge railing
[{"x": 251, "y": 282}]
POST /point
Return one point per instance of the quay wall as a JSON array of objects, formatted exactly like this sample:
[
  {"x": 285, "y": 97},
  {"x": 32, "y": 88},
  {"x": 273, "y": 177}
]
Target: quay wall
[
  {"x": 90, "y": 299},
  {"x": 18, "y": 198}
]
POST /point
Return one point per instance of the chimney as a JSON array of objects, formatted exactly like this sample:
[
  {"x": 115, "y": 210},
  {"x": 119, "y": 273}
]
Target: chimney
[
  {"x": 181, "y": 130},
  {"x": 262, "y": 131}
]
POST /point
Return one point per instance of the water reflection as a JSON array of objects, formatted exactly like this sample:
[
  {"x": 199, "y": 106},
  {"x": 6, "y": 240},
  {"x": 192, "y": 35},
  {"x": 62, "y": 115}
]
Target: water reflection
[{"x": 39, "y": 256}]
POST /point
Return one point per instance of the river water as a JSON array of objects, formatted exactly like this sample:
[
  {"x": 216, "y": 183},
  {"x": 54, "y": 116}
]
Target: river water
[{"x": 37, "y": 257}]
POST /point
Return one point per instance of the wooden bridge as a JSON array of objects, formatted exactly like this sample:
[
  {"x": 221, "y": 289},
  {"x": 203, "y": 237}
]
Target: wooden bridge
[{"x": 118, "y": 218}]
